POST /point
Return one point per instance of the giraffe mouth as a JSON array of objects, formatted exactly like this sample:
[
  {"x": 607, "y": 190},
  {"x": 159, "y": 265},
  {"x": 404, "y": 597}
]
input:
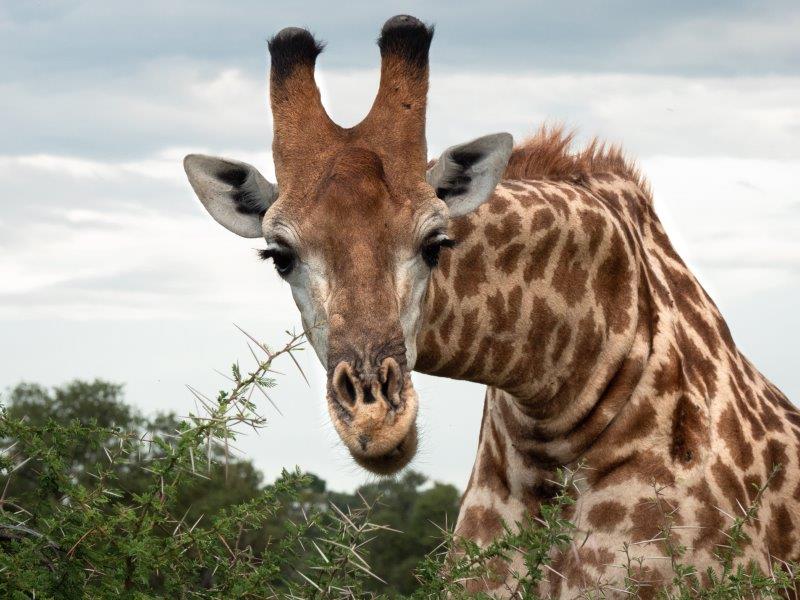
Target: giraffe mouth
[
  {"x": 381, "y": 434},
  {"x": 394, "y": 460}
]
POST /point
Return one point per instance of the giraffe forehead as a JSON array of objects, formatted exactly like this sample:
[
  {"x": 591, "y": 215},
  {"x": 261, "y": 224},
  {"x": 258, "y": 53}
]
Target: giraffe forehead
[
  {"x": 350, "y": 173},
  {"x": 358, "y": 212},
  {"x": 343, "y": 227}
]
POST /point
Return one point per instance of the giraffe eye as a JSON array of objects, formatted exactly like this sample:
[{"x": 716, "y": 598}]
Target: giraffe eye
[
  {"x": 282, "y": 257},
  {"x": 433, "y": 246}
]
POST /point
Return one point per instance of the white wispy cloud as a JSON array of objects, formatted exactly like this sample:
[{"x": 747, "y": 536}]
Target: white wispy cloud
[
  {"x": 736, "y": 221},
  {"x": 770, "y": 35},
  {"x": 189, "y": 105},
  {"x": 165, "y": 165}
]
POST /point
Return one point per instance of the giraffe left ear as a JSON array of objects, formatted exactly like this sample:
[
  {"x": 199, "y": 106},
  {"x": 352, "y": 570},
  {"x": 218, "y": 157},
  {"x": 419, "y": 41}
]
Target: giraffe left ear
[
  {"x": 233, "y": 192},
  {"x": 466, "y": 175}
]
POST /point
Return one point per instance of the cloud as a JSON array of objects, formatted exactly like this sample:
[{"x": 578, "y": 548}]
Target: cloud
[
  {"x": 736, "y": 221},
  {"x": 192, "y": 105},
  {"x": 165, "y": 165},
  {"x": 767, "y": 38},
  {"x": 72, "y": 38},
  {"x": 132, "y": 264},
  {"x": 87, "y": 240},
  {"x": 163, "y": 104}
]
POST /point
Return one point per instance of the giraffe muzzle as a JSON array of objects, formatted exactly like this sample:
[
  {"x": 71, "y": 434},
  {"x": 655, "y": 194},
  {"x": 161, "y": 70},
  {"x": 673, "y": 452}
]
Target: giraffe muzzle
[{"x": 374, "y": 412}]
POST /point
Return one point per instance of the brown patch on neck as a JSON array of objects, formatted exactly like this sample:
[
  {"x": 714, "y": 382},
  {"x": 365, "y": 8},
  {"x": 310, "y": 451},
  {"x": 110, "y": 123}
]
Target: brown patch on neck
[{"x": 688, "y": 432}]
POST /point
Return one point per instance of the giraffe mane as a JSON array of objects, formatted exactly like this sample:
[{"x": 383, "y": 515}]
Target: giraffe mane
[{"x": 548, "y": 154}]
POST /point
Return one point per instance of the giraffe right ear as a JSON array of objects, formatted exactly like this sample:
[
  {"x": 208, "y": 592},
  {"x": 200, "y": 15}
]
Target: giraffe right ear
[
  {"x": 466, "y": 175},
  {"x": 233, "y": 192}
]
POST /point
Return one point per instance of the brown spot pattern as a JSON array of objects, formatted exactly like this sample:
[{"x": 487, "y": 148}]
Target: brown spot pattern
[
  {"x": 569, "y": 295},
  {"x": 606, "y": 515}
]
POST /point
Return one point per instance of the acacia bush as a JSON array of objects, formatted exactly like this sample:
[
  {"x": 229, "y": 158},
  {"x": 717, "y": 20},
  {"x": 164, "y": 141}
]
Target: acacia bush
[{"x": 115, "y": 505}]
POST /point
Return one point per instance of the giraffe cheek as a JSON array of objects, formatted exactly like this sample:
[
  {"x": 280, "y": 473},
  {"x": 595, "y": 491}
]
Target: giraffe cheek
[{"x": 411, "y": 289}]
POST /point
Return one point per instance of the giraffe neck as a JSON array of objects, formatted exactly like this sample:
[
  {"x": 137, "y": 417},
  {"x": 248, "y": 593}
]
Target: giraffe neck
[
  {"x": 544, "y": 300},
  {"x": 599, "y": 346}
]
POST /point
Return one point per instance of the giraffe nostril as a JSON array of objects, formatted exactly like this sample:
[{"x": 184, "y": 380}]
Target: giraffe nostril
[
  {"x": 391, "y": 381},
  {"x": 369, "y": 397},
  {"x": 343, "y": 385},
  {"x": 351, "y": 390},
  {"x": 385, "y": 390}
]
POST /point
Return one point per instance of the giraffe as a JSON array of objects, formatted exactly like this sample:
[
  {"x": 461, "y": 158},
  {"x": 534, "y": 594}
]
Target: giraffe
[{"x": 539, "y": 272}]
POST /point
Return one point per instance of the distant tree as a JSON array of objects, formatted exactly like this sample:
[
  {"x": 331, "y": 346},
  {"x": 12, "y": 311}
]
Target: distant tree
[
  {"x": 419, "y": 511},
  {"x": 101, "y": 404}
]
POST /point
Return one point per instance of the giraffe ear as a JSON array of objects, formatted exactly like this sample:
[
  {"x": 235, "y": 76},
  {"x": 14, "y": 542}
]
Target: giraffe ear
[
  {"x": 233, "y": 192},
  {"x": 466, "y": 175}
]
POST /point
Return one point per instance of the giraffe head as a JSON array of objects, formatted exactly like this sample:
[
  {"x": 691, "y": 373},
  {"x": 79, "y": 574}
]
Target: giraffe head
[{"x": 355, "y": 225}]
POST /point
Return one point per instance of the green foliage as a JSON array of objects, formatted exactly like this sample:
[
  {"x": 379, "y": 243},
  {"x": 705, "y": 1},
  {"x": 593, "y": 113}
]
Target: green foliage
[
  {"x": 415, "y": 516},
  {"x": 112, "y": 505},
  {"x": 99, "y": 502}
]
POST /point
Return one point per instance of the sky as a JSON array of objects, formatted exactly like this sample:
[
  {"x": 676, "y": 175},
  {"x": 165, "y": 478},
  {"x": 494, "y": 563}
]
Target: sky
[{"x": 110, "y": 268}]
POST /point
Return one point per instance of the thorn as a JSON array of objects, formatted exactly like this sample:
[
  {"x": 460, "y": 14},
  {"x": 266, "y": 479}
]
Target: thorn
[
  {"x": 299, "y": 368},
  {"x": 255, "y": 341},
  {"x": 266, "y": 395}
]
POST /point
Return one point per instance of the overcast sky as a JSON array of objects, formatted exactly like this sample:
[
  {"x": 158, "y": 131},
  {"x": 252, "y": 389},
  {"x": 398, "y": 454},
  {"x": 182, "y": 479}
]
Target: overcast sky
[{"x": 110, "y": 268}]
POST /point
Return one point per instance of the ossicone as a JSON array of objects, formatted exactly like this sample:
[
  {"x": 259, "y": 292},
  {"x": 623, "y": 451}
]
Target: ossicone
[
  {"x": 301, "y": 127},
  {"x": 407, "y": 38},
  {"x": 292, "y": 47}
]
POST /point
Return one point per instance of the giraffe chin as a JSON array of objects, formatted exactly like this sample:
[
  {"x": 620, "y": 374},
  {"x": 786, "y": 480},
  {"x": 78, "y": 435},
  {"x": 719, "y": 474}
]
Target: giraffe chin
[
  {"x": 381, "y": 439},
  {"x": 394, "y": 460}
]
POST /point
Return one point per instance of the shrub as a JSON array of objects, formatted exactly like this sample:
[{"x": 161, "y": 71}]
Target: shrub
[{"x": 115, "y": 505}]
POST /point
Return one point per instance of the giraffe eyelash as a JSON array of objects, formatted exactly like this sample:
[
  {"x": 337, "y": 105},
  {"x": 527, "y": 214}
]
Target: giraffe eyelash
[
  {"x": 282, "y": 257},
  {"x": 274, "y": 247},
  {"x": 433, "y": 246},
  {"x": 264, "y": 253}
]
